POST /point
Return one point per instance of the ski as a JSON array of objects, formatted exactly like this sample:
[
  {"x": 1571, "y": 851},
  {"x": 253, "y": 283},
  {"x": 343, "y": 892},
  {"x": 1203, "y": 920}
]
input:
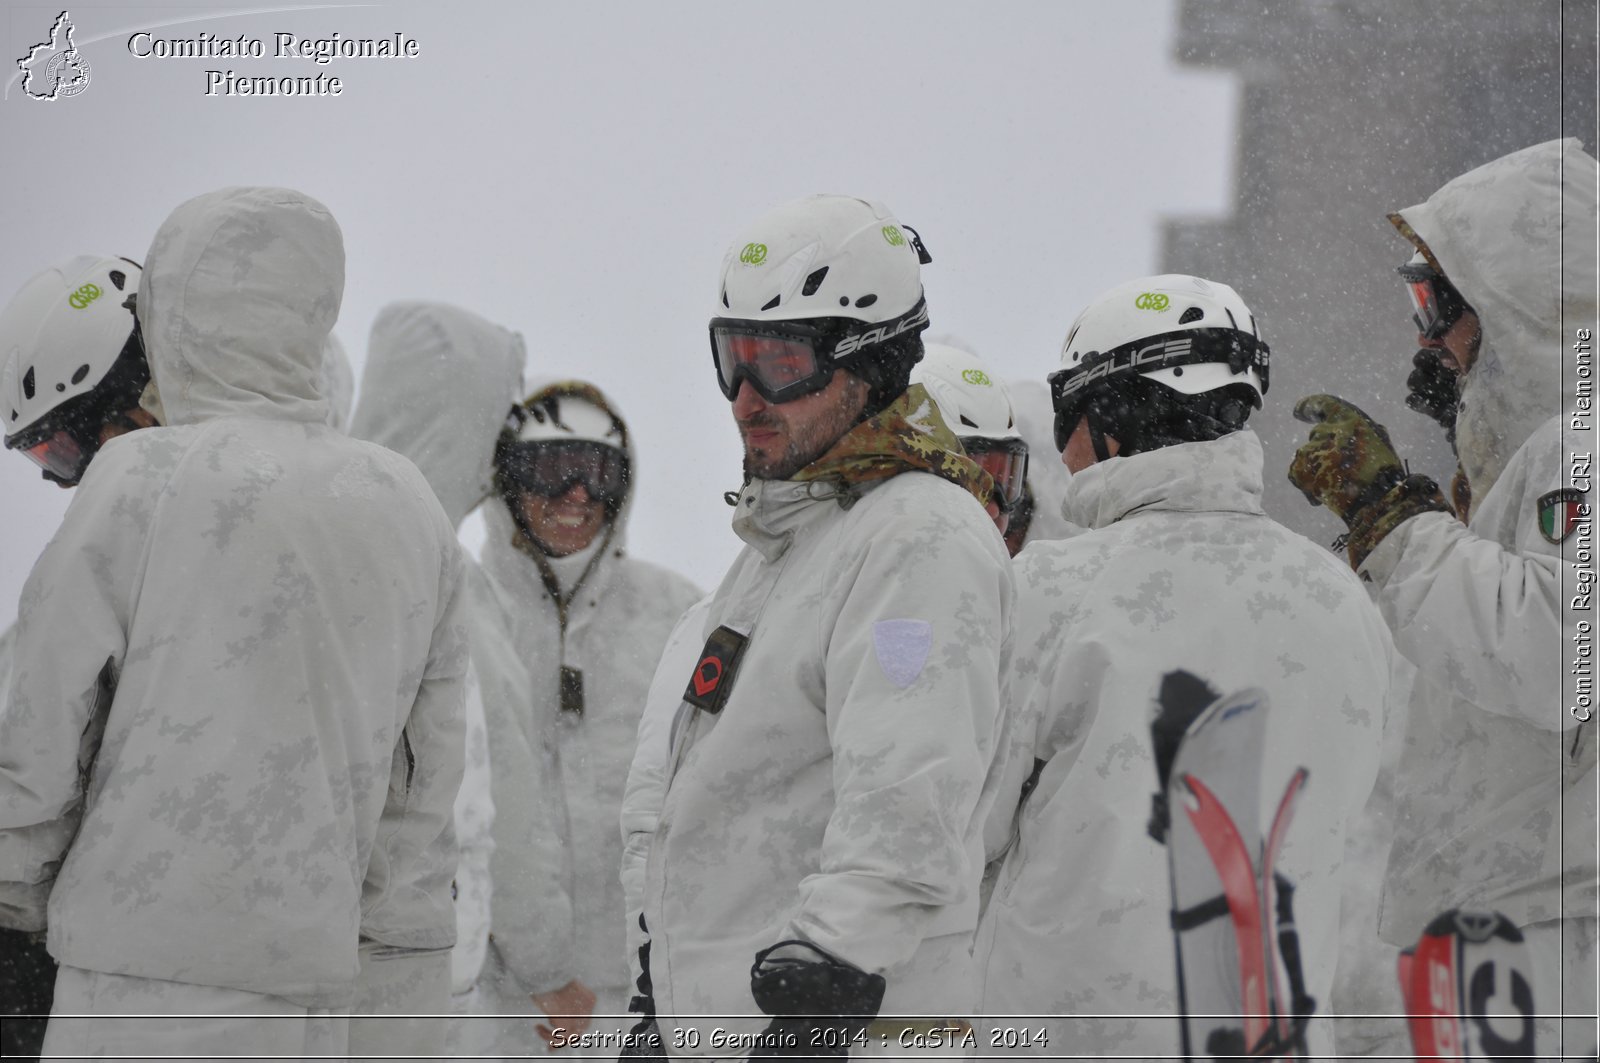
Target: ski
[
  {"x": 1232, "y": 912},
  {"x": 1468, "y": 990},
  {"x": 1278, "y": 899}
]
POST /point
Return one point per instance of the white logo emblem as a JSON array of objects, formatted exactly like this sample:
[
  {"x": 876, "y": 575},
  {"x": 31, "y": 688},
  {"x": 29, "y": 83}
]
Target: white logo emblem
[{"x": 55, "y": 69}]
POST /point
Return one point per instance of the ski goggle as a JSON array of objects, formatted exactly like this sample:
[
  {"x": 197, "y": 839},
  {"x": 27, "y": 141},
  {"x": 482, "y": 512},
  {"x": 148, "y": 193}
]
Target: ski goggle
[
  {"x": 1004, "y": 459},
  {"x": 1435, "y": 303},
  {"x": 551, "y": 468},
  {"x": 58, "y": 452},
  {"x": 783, "y": 360}
]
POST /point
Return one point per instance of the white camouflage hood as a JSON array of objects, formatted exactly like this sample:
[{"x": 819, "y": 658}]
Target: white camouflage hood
[
  {"x": 436, "y": 388},
  {"x": 338, "y": 383},
  {"x": 1517, "y": 237},
  {"x": 240, "y": 289}
]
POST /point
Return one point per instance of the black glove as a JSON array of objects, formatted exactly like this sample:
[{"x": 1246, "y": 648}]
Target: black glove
[
  {"x": 819, "y": 1006},
  {"x": 1432, "y": 390},
  {"x": 644, "y": 1039}
]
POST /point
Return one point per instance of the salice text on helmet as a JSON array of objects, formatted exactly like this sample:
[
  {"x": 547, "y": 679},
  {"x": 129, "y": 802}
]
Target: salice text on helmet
[{"x": 917, "y": 319}]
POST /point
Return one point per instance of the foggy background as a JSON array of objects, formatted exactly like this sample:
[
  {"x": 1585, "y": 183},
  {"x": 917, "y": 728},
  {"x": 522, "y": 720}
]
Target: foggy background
[{"x": 576, "y": 172}]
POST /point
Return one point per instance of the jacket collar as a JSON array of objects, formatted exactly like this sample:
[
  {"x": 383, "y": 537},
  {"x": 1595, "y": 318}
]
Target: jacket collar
[
  {"x": 908, "y": 435},
  {"x": 1219, "y": 475}
]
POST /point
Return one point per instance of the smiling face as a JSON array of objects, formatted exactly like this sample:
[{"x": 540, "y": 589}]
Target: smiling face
[
  {"x": 565, "y": 523},
  {"x": 780, "y": 439}
]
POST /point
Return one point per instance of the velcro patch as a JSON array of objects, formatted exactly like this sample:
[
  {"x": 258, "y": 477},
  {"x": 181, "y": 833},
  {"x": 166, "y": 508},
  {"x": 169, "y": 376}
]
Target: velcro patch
[
  {"x": 902, "y": 648},
  {"x": 712, "y": 681}
]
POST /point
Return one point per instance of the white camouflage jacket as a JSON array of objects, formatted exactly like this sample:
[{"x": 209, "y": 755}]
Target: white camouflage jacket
[
  {"x": 646, "y": 788},
  {"x": 436, "y": 388},
  {"x": 233, "y": 732},
  {"x": 1495, "y": 788},
  {"x": 617, "y": 623},
  {"x": 838, "y": 795},
  {"x": 1180, "y": 569}
]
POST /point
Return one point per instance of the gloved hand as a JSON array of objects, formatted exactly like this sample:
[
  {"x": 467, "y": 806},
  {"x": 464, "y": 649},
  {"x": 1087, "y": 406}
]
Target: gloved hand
[
  {"x": 820, "y": 1003},
  {"x": 1432, "y": 390},
  {"x": 1349, "y": 465}
]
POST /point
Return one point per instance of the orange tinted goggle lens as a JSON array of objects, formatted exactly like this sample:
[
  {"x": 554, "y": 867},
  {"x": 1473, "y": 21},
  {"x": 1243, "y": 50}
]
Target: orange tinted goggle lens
[
  {"x": 1008, "y": 469},
  {"x": 782, "y": 367},
  {"x": 776, "y": 361},
  {"x": 58, "y": 454},
  {"x": 1426, "y": 304}
]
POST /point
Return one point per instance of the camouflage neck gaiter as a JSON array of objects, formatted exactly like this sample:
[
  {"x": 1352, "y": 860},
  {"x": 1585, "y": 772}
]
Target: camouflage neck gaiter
[{"x": 908, "y": 435}]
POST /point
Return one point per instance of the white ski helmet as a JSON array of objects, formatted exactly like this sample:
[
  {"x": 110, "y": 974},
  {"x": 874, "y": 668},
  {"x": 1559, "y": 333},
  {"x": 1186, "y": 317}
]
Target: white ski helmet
[
  {"x": 563, "y": 434},
  {"x": 977, "y": 408},
  {"x": 569, "y": 417},
  {"x": 1192, "y": 336},
  {"x": 73, "y": 360},
  {"x": 832, "y": 280}
]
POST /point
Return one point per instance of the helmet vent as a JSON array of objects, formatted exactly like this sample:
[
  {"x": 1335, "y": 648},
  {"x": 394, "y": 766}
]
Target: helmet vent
[
  {"x": 725, "y": 299},
  {"x": 814, "y": 281},
  {"x": 27, "y": 383},
  {"x": 866, "y": 300},
  {"x": 844, "y": 300},
  {"x": 1177, "y": 370},
  {"x": 969, "y": 422},
  {"x": 770, "y": 303},
  {"x": 119, "y": 278},
  {"x": 1194, "y": 313},
  {"x": 83, "y": 371},
  {"x": 1231, "y": 320}
]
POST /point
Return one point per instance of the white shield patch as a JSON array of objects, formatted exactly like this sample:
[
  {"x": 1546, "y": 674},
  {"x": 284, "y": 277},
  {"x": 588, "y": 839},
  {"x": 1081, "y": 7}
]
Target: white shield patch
[{"x": 902, "y": 647}]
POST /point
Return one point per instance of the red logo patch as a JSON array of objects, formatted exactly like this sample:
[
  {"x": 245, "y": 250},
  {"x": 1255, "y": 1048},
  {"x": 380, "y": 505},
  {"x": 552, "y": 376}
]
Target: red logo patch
[
  {"x": 712, "y": 681},
  {"x": 707, "y": 676}
]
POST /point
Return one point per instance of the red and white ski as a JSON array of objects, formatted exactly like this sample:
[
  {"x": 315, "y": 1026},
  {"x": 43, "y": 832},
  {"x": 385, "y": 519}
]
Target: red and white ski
[
  {"x": 1468, "y": 989},
  {"x": 1232, "y": 912}
]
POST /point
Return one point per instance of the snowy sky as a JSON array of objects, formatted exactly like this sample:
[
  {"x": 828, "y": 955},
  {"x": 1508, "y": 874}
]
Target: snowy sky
[{"x": 575, "y": 172}]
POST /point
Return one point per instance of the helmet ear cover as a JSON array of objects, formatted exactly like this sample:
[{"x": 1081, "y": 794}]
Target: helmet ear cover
[{"x": 886, "y": 370}]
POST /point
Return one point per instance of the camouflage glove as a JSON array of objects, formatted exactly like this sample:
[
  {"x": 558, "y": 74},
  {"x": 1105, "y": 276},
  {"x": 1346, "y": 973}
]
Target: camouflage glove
[{"x": 1349, "y": 465}]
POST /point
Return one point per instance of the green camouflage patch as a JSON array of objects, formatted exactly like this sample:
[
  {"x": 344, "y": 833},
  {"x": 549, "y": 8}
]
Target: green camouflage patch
[{"x": 908, "y": 435}]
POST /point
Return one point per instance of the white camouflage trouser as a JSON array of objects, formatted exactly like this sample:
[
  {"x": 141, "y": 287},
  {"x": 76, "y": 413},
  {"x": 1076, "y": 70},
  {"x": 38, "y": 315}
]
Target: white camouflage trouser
[
  {"x": 410, "y": 989},
  {"x": 98, "y": 1014}
]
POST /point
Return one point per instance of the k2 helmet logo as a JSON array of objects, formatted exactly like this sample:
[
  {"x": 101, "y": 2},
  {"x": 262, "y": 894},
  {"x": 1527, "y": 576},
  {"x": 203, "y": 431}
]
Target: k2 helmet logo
[
  {"x": 977, "y": 378},
  {"x": 893, "y": 234},
  {"x": 84, "y": 296},
  {"x": 1151, "y": 301},
  {"x": 54, "y": 69},
  {"x": 753, "y": 254}
]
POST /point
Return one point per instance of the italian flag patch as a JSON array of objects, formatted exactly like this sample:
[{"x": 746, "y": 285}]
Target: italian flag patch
[{"x": 1559, "y": 513}]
